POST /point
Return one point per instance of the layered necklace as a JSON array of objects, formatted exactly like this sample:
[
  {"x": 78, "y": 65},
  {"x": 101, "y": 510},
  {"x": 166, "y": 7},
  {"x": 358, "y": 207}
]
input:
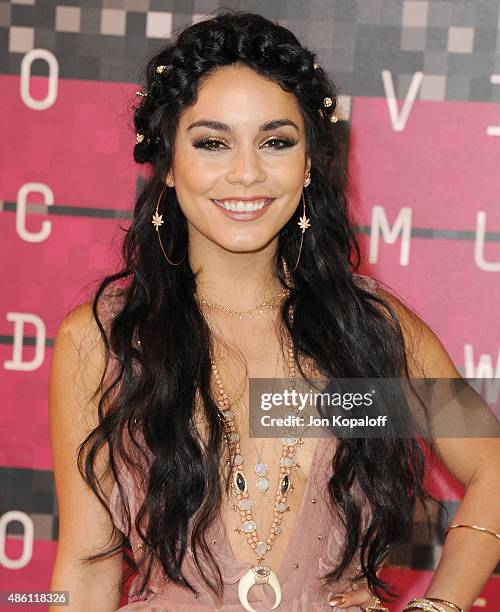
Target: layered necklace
[{"x": 259, "y": 573}]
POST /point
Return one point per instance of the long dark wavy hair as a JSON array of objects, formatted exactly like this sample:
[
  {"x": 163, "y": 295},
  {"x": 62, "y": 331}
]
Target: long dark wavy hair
[{"x": 346, "y": 330}]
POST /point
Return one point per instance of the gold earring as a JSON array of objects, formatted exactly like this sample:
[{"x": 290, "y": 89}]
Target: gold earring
[
  {"x": 157, "y": 221},
  {"x": 307, "y": 182},
  {"x": 304, "y": 223}
]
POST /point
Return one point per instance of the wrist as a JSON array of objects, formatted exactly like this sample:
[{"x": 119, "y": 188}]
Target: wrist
[
  {"x": 449, "y": 606},
  {"x": 432, "y": 604}
]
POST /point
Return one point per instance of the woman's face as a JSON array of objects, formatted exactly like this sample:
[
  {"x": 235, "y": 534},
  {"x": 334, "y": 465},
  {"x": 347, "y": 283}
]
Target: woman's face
[{"x": 252, "y": 154}]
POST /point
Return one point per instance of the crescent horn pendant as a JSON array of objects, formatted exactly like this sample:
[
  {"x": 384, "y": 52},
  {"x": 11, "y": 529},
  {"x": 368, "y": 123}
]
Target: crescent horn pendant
[{"x": 258, "y": 574}]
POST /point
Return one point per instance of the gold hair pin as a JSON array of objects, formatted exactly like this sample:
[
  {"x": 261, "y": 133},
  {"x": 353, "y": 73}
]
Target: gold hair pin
[
  {"x": 140, "y": 138},
  {"x": 327, "y": 102}
]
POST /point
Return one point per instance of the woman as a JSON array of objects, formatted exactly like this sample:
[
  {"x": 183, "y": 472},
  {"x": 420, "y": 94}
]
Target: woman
[{"x": 240, "y": 263}]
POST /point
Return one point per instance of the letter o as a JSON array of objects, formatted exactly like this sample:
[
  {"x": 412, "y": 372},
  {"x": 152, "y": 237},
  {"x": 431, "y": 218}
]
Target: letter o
[
  {"x": 53, "y": 77},
  {"x": 25, "y": 520}
]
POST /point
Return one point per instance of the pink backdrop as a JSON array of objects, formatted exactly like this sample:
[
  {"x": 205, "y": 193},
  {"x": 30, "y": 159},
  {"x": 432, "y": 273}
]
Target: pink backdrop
[{"x": 66, "y": 168}]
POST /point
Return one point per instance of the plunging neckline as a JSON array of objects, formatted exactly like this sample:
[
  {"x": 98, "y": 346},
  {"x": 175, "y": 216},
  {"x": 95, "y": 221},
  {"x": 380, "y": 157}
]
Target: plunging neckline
[{"x": 279, "y": 572}]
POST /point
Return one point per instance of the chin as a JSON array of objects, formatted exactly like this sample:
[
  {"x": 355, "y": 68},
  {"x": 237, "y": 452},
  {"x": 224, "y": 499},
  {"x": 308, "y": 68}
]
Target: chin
[{"x": 245, "y": 244}]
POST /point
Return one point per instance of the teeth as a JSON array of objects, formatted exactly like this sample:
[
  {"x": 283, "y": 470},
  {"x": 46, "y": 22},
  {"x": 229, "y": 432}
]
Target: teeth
[{"x": 239, "y": 206}]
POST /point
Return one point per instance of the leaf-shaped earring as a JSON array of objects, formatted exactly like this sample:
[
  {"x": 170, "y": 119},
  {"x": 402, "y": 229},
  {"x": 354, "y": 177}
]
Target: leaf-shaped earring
[
  {"x": 304, "y": 223},
  {"x": 157, "y": 221}
]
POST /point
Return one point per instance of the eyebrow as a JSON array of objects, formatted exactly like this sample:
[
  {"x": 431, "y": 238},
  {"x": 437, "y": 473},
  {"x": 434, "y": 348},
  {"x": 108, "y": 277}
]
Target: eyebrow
[{"x": 265, "y": 127}]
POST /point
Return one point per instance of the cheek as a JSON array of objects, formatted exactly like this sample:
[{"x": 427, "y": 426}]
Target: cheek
[
  {"x": 289, "y": 175},
  {"x": 196, "y": 180}
]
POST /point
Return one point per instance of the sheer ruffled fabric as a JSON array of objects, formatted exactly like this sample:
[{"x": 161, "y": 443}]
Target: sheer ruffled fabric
[{"x": 302, "y": 588}]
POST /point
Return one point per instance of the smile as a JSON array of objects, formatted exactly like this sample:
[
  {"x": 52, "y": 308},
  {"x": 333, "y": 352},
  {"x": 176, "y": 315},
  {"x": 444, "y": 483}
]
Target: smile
[{"x": 241, "y": 206}]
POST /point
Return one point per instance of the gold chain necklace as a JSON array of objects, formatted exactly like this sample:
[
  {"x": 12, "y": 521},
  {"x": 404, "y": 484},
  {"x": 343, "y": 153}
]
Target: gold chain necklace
[
  {"x": 243, "y": 314},
  {"x": 258, "y": 573}
]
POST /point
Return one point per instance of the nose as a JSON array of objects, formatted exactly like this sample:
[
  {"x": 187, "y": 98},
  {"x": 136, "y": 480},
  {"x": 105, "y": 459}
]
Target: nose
[{"x": 246, "y": 167}]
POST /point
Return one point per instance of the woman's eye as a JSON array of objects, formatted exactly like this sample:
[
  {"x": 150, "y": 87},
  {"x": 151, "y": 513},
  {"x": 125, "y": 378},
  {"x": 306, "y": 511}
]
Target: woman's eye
[
  {"x": 212, "y": 144},
  {"x": 283, "y": 142},
  {"x": 208, "y": 143}
]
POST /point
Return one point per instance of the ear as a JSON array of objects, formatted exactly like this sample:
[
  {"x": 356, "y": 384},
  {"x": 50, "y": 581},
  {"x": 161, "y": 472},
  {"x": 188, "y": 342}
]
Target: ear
[
  {"x": 169, "y": 180},
  {"x": 308, "y": 165}
]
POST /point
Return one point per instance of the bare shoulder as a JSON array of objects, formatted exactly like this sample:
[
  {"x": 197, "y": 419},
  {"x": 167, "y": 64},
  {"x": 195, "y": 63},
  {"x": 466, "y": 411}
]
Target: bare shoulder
[
  {"x": 77, "y": 371},
  {"x": 79, "y": 348},
  {"x": 82, "y": 325},
  {"x": 427, "y": 356},
  {"x": 83, "y": 335},
  {"x": 465, "y": 458}
]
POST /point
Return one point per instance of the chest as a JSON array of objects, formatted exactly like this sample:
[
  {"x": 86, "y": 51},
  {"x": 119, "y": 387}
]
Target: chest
[
  {"x": 275, "y": 516},
  {"x": 277, "y": 530}
]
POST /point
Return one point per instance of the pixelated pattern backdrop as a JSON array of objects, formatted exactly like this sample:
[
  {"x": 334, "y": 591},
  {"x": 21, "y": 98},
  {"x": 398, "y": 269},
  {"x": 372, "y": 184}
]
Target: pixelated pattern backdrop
[{"x": 420, "y": 91}]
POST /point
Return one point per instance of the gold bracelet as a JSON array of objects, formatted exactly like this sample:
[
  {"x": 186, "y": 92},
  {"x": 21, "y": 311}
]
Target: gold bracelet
[
  {"x": 426, "y": 603},
  {"x": 497, "y": 535},
  {"x": 423, "y": 604},
  {"x": 448, "y": 603}
]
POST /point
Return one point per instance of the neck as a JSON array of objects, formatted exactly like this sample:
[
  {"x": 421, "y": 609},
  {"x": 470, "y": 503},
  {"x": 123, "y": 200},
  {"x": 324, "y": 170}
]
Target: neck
[{"x": 236, "y": 280}]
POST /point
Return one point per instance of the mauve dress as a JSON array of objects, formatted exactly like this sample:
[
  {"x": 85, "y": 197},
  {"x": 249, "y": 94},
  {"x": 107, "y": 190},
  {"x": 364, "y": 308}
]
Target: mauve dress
[{"x": 302, "y": 588}]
